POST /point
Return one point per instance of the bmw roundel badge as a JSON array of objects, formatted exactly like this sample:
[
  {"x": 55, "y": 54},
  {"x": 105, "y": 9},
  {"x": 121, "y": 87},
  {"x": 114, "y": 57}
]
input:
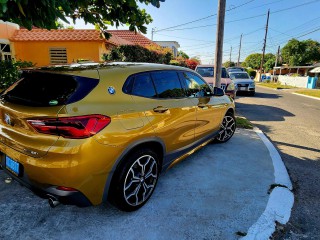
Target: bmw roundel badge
[{"x": 111, "y": 90}]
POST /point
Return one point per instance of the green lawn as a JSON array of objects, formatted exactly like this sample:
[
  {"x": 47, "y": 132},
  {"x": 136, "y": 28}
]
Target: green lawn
[
  {"x": 243, "y": 123},
  {"x": 274, "y": 85},
  {"x": 310, "y": 92}
]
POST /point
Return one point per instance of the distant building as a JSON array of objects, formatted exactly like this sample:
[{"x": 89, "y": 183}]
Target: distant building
[
  {"x": 7, "y": 29},
  {"x": 170, "y": 44},
  {"x": 61, "y": 46}
]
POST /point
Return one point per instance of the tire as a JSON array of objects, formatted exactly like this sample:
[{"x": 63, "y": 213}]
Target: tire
[
  {"x": 135, "y": 180},
  {"x": 252, "y": 93},
  {"x": 227, "y": 128}
]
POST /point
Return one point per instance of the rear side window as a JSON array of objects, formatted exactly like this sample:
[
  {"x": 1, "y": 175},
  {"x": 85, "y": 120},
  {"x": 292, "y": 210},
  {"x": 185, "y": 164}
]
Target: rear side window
[
  {"x": 143, "y": 86},
  {"x": 167, "y": 84},
  {"x": 41, "y": 89}
]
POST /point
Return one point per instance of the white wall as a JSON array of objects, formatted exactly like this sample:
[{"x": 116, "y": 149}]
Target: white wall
[{"x": 294, "y": 81}]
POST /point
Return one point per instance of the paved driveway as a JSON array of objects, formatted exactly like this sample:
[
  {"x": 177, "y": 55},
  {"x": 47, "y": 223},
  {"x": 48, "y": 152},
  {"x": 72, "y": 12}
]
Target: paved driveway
[{"x": 214, "y": 193}]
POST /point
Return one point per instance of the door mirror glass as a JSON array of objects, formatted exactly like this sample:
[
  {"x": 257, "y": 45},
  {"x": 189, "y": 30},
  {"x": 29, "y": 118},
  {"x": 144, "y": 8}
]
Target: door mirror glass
[{"x": 218, "y": 91}]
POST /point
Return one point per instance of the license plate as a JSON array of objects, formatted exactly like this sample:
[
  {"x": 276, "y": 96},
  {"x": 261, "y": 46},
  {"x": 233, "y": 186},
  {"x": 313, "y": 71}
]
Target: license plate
[
  {"x": 242, "y": 88},
  {"x": 12, "y": 166}
]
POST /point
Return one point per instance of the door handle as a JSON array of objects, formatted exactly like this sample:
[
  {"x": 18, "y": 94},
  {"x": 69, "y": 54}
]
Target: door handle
[
  {"x": 160, "y": 109},
  {"x": 201, "y": 105}
]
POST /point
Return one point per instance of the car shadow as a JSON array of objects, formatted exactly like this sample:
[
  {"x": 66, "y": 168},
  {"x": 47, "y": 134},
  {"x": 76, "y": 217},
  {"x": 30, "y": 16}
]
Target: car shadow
[{"x": 259, "y": 95}]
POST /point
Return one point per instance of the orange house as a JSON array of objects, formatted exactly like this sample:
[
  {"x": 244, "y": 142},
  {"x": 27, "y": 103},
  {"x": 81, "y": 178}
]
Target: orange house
[{"x": 64, "y": 46}]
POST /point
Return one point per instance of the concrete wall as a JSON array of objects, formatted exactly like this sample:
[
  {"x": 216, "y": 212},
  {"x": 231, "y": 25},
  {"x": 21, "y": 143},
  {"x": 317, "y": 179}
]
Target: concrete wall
[
  {"x": 294, "y": 81},
  {"x": 38, "y": 52}
]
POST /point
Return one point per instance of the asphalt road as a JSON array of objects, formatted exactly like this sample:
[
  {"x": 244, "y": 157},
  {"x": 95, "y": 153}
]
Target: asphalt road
[{"x": 292, "y": 123}]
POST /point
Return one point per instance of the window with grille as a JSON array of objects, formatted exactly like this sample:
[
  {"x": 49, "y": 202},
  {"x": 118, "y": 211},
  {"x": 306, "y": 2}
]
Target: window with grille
[{"x": 58, "y": 55}]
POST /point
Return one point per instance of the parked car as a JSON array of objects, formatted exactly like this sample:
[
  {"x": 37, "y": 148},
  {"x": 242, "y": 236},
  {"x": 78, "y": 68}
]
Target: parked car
[
  {"x": 235, "y": 69},
  {"x": 91, "y": 134},
  {"x": 243, "y": 82},
  {"x": 207, "y": 72}
]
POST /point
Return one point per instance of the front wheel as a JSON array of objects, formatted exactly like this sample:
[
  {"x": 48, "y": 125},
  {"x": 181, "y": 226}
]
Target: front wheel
[
  {"x": 227, "y": 128},
  {"x": 136, "y": 180}
]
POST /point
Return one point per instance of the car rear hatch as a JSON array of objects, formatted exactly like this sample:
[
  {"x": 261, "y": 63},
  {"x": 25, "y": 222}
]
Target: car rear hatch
[{"x": 37, "y": 96}]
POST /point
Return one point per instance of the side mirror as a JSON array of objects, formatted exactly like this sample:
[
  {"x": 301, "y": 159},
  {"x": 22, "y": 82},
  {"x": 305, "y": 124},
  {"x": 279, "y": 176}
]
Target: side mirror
[
  {"x": 218, "y": 92},
  {"x": 252, "y": 77}
]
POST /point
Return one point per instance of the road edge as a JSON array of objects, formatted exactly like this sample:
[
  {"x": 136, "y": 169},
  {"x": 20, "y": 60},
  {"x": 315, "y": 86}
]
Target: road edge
[
  {"x": 303, "y": 95},
  {"x": 281, "y": 199}
]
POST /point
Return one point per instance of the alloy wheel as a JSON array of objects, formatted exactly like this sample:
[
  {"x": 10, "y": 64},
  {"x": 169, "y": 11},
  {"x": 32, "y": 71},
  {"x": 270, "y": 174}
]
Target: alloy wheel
[
  {"x": 227, "y": 128},
  {"x": 140, "y": 180}
]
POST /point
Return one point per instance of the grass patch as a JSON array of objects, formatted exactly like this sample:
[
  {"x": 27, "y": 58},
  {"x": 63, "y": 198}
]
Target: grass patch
[
  {"x": 275, "y": 85},
  {"x": 243, "y": 123},
  {"x": 310, "y": 92}
]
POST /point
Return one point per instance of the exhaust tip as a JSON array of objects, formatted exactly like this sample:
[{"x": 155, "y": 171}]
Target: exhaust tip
[{"x": 53, "y": 202}]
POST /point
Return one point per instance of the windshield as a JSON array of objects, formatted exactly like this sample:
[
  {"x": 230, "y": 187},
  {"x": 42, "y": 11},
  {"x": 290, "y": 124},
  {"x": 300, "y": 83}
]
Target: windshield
[
  {"x": 239, "y": 75},
  {"x": 208, "y": 72}
]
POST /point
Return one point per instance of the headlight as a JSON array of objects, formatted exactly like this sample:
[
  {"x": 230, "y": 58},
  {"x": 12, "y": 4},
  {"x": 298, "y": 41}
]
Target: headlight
[
  {"x": 252, "y": 84},
  {"x": 231, "y": 86}
]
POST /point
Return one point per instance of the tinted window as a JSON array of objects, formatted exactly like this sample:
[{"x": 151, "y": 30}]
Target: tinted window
[
  {"x": 239, "y": 75},
  {"x": 167, "y": 84},
  {"x": 143, "y": 86},
  {"x": 209, "y": 72},
  {"x": 195, "y": 86},
  {"x": 40, "y": 89}
]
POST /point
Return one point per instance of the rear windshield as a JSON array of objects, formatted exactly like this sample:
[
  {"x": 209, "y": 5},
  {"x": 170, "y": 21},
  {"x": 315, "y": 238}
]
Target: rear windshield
[
  {"x": 41, "y": 89},
  {"x": 208, "y": 72}
]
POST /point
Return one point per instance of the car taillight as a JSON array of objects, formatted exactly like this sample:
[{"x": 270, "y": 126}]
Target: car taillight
[{"x": 71, "y": 127}]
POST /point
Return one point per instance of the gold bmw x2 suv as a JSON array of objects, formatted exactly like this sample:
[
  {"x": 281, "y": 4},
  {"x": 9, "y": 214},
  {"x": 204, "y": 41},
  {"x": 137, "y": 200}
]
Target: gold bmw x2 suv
[{"x": 87, "y": 135}]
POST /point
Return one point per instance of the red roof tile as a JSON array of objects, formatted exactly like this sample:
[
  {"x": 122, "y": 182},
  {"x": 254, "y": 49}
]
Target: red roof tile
[
  {"x": 57, "y": 35},
  {"x": 135, "y": 38},
  {"x": 114, "y": 39}
]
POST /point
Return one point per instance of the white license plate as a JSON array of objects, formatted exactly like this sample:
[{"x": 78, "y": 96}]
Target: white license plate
[{"x": 242, "y": 88}]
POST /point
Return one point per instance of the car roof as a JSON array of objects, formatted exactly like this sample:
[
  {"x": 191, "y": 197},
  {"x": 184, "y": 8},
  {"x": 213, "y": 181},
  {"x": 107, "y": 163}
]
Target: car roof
[
  {"x": 239, "y": 72},
  {"x": 128, "y": 67}
]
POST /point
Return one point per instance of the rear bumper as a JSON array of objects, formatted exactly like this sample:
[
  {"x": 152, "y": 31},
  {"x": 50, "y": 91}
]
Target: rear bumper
[{"x": 46, "y": 191}]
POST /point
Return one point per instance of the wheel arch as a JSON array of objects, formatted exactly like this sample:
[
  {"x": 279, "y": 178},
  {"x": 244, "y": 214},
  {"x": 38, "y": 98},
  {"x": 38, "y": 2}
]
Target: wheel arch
[{"x": 154, "y": 143}]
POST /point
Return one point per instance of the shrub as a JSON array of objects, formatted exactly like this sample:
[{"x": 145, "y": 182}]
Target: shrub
[
  {"x": 137, "y": 53},
  {"x": 251, "y": 72},
  {"x": 10, "y": 73}
]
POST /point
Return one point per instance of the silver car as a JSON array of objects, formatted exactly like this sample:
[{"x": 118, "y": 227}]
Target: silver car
[{"x": 243, "y": 82}]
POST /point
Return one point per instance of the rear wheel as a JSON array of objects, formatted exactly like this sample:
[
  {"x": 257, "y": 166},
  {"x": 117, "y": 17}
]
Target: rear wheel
[
  {"x": 227, "y": 128},
  {"x": 136, "y": 180}
]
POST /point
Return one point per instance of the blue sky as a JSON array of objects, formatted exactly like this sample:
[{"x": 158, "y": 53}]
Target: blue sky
[{"x": 288, "y": 19}]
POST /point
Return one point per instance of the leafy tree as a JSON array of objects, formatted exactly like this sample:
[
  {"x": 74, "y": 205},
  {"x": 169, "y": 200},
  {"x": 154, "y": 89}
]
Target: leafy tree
[
  {"x": 183, "y": 55},
  {"x": 228, "y": 64},
  {"x": 253, "y": 60},
  {"x": 45, "y": 13},
  {"x": 297, "y": 52},
  {"x": 192, "y": 63}
]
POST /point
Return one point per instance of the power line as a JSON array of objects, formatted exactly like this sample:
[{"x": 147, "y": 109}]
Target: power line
[{"x": 203, "y": 18}]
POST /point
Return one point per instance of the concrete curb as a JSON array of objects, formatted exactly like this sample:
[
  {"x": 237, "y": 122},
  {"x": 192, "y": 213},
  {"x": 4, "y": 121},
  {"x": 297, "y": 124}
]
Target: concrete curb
[
  {"x": 306, "y": 96},
  {"x": 280, "y": 201}
]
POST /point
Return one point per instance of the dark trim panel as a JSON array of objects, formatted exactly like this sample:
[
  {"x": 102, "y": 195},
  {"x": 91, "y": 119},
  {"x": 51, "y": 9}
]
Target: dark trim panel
[{"x": 170, "y": 157}]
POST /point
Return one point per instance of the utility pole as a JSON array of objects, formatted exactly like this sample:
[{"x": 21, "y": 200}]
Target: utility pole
[
  {"x": 152, "y": 32},
  {"x": 230, "y": 56},
  {"x": 264, "y": 46},
  {"x": 238, "y": 63},
  {"x": 219, "y": 42},
  {"x": 277, "y": 57}
]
